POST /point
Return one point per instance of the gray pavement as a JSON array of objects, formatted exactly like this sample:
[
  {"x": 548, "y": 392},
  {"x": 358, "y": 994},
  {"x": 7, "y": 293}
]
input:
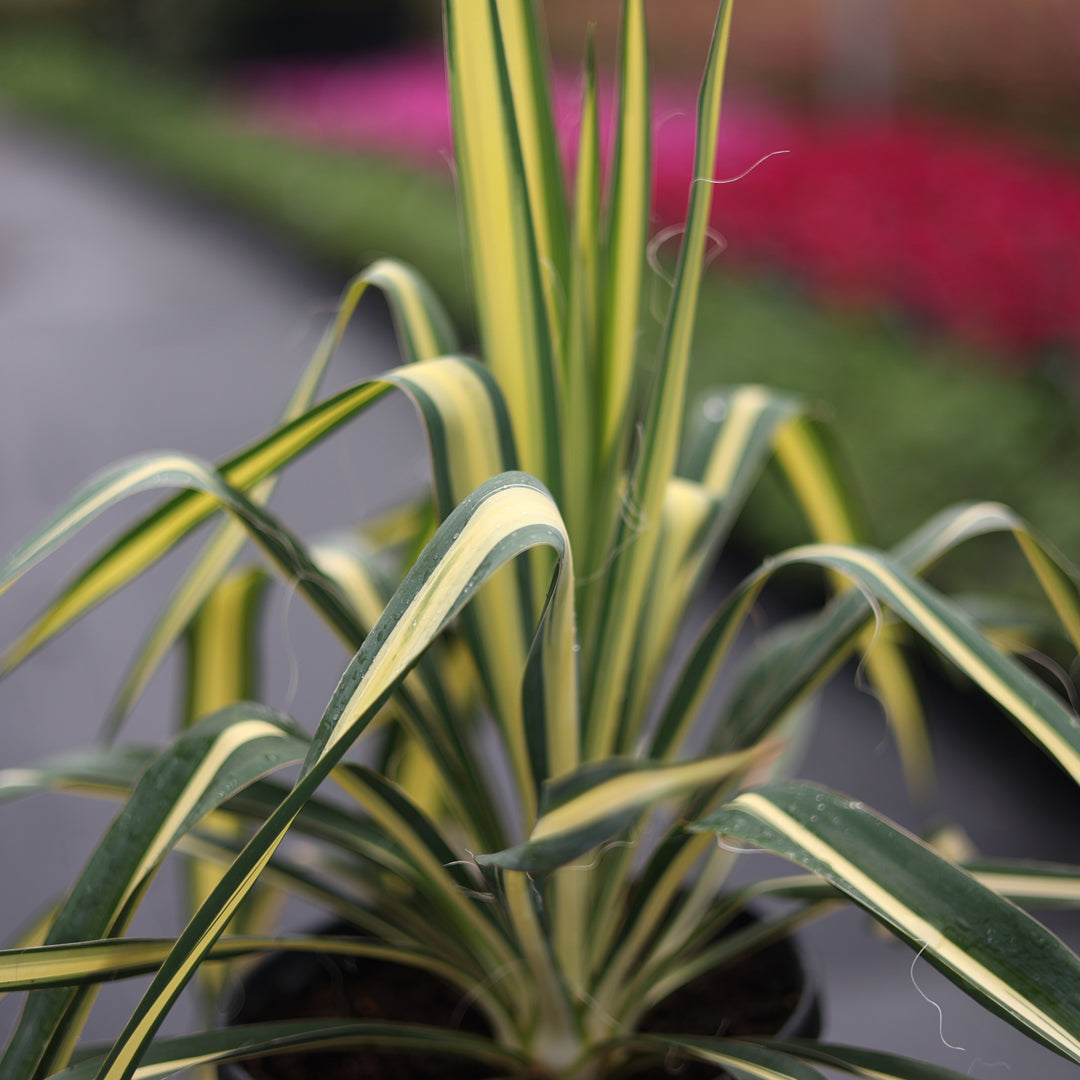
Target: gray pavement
[{"x": 133, "y": 319}]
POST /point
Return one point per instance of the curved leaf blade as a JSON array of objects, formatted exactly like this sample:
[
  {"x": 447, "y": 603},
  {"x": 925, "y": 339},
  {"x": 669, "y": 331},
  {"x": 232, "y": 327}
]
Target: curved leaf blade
[
  {"x": 123, "y": 958},
  {"x": 505, "y": 517},
  {"x": 198, "y": 772},
  {"x": 1039, "y": 712},
  {"x": 156, "y": 534},
  {"x": 872, "y": 1064},
  {"x": 207, "y": 491},
  {"x": 988, "y": 947},
  {"x": 589, "y": 806},
  {"x": 471, "y": 440},
  {"x": 424, "y": 331},
  {"x": 167, "y": 1057}
]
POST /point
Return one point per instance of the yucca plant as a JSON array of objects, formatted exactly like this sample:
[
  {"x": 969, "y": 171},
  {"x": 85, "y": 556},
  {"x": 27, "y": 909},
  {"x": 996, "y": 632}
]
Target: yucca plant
[{"x": 536, "y": 818}]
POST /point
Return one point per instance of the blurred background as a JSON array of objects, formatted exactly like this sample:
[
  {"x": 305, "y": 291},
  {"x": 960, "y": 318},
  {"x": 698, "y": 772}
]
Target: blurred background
[
  {"x": 186, "y": 184},
  {"x": 903, "y": 245}
]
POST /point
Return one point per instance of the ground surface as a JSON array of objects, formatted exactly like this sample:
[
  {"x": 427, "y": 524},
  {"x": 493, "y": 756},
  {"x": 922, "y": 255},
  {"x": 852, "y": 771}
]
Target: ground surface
[{"x": 133, "y": 320}]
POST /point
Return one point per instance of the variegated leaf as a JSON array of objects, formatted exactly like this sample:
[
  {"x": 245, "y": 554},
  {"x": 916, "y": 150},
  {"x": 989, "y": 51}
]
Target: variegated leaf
[
  {"x": 588, "y": 807},
  {"x": 991, "y": 949},
  {"x": 505, "y": 517},
  {"x": 424, "y": 332},
  {"x": 655, "y": 463},
  {"x": 201, "y": 769},
  {"x": 502, "y": 244},
  {"x": 168, "y": 1057}
]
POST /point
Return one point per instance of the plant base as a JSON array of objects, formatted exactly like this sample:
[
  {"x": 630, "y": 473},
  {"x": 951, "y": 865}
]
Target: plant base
[{"x": 764, "y": 994}]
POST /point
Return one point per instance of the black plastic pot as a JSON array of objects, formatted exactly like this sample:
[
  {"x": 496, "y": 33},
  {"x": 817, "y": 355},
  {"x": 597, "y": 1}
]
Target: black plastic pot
[{"x": 768, "y": 993}]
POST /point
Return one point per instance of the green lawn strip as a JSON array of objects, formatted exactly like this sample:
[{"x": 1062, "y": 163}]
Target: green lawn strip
[{"x": 922, "y": 422}]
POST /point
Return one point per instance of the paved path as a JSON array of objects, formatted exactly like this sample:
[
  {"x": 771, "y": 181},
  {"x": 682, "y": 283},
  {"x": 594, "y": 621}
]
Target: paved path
[{"x": 131, "y": 319}]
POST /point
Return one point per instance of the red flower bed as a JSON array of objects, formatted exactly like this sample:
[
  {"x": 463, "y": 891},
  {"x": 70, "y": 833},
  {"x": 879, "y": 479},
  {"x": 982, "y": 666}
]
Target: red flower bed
[{"x": 977, "y": 235}]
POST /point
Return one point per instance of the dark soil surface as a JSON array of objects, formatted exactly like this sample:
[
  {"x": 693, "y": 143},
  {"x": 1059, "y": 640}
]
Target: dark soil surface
[{"x": 756, "y": 996}]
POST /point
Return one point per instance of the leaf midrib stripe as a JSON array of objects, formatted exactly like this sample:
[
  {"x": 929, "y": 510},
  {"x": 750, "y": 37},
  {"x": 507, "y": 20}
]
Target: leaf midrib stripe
[{"x": 902, "y": 916}]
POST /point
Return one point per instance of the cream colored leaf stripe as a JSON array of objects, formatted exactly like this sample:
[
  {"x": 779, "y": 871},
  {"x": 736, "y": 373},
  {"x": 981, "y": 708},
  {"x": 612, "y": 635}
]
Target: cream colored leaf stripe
[
  {"x": 1022, "y": 883},
  {"x": 153, "y": 536},
  {"x": 913, "y": 925},
  {"x": 742, "y": 1059},
  {"x": 486, "y": 530},
  {"x": 424, "y": 332},
  {"x": 95, "y": 961},
  {"x": 221, "y": 645},
  {"x": 827, "y": 641},
  {"x": 531, "y": 98},
  {"x": 655, "y": 465},
  {"x": 202, "y": 768},
  {"x": 687, "y": 509},
  {"x": 450, "y": 585},
  {"x": 744, "y": 410},
  {"x": 585, "y": 819},
  {"x": 627, "y": 230},
  {"x": 139, "y": 548},
  {"x": 221, "y": 750},
  {"x": 470, "y": 439},
  {"x": 157, "y": 533},
  {"x": 502, "y": 246},
  {"x": 636, "y": 789},
  {"x": 946, "y": 628},
  {"x": 169, "y": 1057}
]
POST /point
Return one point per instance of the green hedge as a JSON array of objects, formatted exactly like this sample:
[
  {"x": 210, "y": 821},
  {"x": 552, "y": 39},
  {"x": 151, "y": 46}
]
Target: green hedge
[{"x": 924, "y": 422}]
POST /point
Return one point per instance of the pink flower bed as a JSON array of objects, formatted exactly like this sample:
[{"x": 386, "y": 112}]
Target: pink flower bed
[{"x": 977, "y": 235}]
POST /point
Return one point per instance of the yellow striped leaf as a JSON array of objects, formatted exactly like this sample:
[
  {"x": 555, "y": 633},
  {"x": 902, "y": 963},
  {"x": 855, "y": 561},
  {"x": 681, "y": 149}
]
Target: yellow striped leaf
[
  {"x": 530, "y": 95},
  {"x": 202, "y": 768},
  {"x": 872, "y": 1064},
  {"x": 988, "y": 947},
  {"x": 627, "y": 232},
  {"x": 168, "y": 1057},
  {"x": 834, "y": 518},
  {"x": 586, "y": 808},
  {"x": 505, "y": 517},
  {"x": 424, "y": 332},
  {"x": 655, "y": 464},
  {"x": 1040, "y": 713},
  {"x": 502, "y": 245}
]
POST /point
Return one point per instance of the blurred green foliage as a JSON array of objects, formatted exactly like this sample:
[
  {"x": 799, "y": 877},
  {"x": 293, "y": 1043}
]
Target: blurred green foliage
[{"x": 924, "y": 421}]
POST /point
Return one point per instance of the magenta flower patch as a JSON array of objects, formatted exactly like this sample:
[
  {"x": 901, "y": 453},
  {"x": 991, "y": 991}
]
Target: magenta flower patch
[{"x": 977, "y": 235}]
